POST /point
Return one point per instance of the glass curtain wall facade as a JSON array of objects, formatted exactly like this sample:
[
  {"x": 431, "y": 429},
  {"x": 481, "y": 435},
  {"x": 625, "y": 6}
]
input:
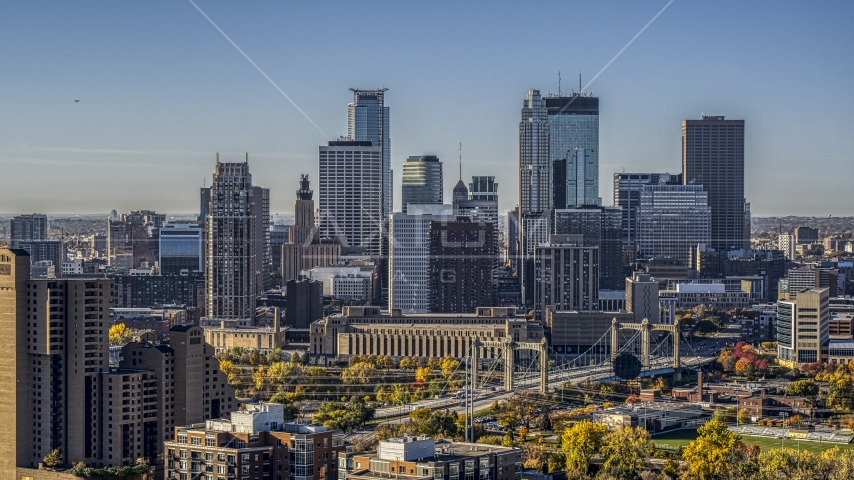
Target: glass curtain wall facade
[
  {"x": 627, "y": 191},
  {"x": 713, "y": 156},
  {"x": 368, "y": 120},
  {"x": 181, "y": 248},
  {"x": 483, "y": 188},
  {"x": 535, "y": 196},
  {"x": 534, "y": 166},
  {"x": 422, "y": 181},
  {"x": 574, "y": 125},
  {"x": 672, "y": 221}
]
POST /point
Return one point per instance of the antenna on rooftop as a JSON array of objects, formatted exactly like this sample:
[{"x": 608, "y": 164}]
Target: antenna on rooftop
[
  {"x": 461, "y": 161},
  {"x": 579, "y": 81},
  {"x": 558, "y": 83}
]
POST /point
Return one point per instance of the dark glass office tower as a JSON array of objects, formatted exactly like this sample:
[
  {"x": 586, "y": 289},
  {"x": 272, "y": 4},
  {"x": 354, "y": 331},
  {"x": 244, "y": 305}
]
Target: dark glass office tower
[
  {"x": 600, "y": 227},
  {"x": 713, "y": 156},
  {"x": 422, "y": 181},
  {"x": 574, "y": 140},
  {"x": 368, "y": 119}
]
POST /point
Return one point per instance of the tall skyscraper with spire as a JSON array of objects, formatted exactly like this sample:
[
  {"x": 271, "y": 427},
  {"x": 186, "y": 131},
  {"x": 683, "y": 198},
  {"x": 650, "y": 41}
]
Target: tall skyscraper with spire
[
  {"x": 368, "y": 120},
  {"x": 574, "y": 146},
  {"x": 304, "y": 229}
]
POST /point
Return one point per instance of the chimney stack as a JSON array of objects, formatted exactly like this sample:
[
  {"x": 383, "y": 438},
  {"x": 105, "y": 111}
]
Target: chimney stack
[{"x": 700, "y": 385}]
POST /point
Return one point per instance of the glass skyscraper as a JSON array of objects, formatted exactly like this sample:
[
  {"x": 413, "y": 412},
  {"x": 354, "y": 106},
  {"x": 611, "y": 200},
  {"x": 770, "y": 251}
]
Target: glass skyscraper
[
  {"x": 574, "y": 133},
  {"x": 181, "y": 248},
  {"x": 422, "y": 181},
  {"x": 483, "y": 188},
  {"x": 367, "y": 120}
]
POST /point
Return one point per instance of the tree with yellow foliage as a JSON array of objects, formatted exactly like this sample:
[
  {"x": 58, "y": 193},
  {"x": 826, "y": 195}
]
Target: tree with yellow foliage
[
  {"x": 423, "y": 374},
  {"x": 580, "y": 442},
  {"x": 708, "y": 456},
  {"x": 626, "y": 449},
  {"x": 120, "y": 334}
]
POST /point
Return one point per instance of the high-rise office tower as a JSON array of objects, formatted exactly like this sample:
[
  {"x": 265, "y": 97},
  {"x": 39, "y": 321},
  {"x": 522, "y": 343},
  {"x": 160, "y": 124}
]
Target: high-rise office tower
[
  {"x": 279, "y": 235},
  {"x": 803, "y": 327},
  {"x": 237, "y": 242},
  {"x": 535, "y": 195},
  {"x": 368, "y": 120},
  {"x": 627, "y": 191},
  {"x": 132, "y": 239},
  {"x": 788, "y": 243},
  {"x": 306, "y": 249},
  {"x": 181, "y": 248},
  {"x": 574, "y": 139},
  {"x": 422, "y": 181},
  {"x": 513, "y": 240},
  {"x": 599, "y": 226},
  {"x": 572, "y": 182},
  {"x": 29, "y": 232},
  {"x": 483, "y": 188},
  {"x": 806, "y": 235},
  {"x": 462, "y": 258},
  {"x": 304, "y": 229},
  {"x": 53, "y": 251},
  {"x": 351, "y": 201},
  {"x": 713, "y": 156},
  {"x": 459, "y": 195},
  {"x": 534, "y": 164},
  {"x": 409, "y": 259},
  {"x": 567, "y": 275},
  {"x": 482, "y": 202},
  {"x": 28, "y": 228},
  {"x": 305, "y": 303},
  {"x": 672, "y": 220}
]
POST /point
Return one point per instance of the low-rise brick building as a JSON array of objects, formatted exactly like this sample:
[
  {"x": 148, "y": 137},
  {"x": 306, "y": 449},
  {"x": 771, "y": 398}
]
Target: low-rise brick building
[
  {"x": 422, "y": 458},
  {"x": 255, "y": 443}
]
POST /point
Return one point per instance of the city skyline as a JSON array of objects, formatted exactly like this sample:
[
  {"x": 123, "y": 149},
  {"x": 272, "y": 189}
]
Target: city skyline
[{"x": 145, "y": 109}]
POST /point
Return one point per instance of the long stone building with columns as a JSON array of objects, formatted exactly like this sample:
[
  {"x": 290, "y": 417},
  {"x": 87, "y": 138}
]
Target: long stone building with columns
[{"x": 371, "y": 331}]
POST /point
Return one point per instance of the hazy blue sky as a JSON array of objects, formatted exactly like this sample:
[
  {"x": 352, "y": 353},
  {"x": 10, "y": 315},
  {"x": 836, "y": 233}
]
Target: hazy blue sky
[{"x": 161, "y": 91}]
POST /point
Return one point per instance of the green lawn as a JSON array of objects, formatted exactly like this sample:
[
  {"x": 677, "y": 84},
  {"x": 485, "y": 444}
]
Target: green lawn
[{"x": 684, "y": 437}]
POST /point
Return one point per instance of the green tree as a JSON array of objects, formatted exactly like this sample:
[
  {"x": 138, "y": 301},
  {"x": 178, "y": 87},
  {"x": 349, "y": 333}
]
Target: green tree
[
  {"x": 282, "y": 373},
  {"x": 802, "y": 388},
  {"x": 724, "y": 415},
  {"x": 343, "y": 416},
  {"x": 708, "y": 456},
  {"x": 580, "y": 442},
  {"x": 557, "y": 461},
  {"x": 54, "y": 458}
]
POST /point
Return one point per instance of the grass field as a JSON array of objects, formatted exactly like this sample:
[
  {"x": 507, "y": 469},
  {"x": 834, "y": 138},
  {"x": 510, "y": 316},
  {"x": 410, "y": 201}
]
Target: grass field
[{"x": 684, "y": 437}]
